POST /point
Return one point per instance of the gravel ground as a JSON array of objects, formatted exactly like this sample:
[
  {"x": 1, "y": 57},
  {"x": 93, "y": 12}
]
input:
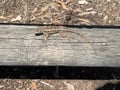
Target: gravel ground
[{"x": 75, "y": 12}]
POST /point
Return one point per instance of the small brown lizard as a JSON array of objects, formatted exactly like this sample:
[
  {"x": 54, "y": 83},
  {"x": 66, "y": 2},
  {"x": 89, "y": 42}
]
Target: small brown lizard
[{"x": 47, "y": 30}]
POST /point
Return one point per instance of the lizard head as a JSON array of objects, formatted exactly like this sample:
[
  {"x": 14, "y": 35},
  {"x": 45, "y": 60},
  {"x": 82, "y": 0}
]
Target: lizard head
[{"x": 38, "y": 32}]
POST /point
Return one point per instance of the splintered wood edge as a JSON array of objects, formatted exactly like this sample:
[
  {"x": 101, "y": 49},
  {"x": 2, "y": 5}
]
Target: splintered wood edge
[{"x": 20, "y": 46}]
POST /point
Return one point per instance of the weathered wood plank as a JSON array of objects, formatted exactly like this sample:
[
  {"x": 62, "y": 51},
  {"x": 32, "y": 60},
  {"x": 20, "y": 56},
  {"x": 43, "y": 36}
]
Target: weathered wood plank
[{"x": 20, "y": 46}]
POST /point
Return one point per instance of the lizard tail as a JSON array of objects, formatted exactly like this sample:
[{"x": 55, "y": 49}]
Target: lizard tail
[{"x": 83, "y": 36}]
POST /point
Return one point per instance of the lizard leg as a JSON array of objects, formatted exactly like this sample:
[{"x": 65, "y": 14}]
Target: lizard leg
[
  {"x": 46, "y": 38},
  {"x": 64, "y": 35}
]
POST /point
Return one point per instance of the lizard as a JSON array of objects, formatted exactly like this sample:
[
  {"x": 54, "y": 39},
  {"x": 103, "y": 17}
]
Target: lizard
[{"x": 47, "y": 30}]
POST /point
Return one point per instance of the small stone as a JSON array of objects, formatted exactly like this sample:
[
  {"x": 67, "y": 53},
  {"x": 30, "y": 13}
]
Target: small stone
[
  {"x": 89, "y": 9},
  {"x": 82, "y": 2},
  {"x": 1, "y": 86},
  {"x": 109, "y": 21},
  {"x": 105, "y": 18},
  {"x": 108, "y": 0}
]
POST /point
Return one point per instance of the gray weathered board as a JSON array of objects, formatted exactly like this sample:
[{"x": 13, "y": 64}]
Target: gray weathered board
[{"x": 20, "y": 46}]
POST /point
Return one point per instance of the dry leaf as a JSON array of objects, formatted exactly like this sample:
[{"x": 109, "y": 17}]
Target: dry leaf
[
  {"x": 56, "y": 22},
  {"x": 18, "y": 18},
  {"x": 33, "y": 18},
  {"x": 53, "y": 5},
  {"x": 35, "y": 9},
  {"x": 3, "y": 18},
  {"x": 34, "y": 86},
  {"x": 62, "y": 4},
  {"x": 43, "y": 9},
  {"x": 19, "y": 81},
  {"x": 69, "y": 86},
  {"x": 87, "y": 13},
  {"x": 47, "y": 84},
  {"x": 84, "y": 20},
  {"x": 48, "y": 15},
  {"x": 17, "y": 89},
  {"x": 118, "y": 18}
]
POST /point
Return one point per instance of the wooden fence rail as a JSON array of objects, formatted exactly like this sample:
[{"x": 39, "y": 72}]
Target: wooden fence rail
[{"x": 20, "y": 46}]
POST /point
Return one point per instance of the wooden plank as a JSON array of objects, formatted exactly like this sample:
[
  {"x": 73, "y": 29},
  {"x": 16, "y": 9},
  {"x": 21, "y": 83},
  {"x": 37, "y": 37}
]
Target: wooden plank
[{"x": 20, "y": 46}]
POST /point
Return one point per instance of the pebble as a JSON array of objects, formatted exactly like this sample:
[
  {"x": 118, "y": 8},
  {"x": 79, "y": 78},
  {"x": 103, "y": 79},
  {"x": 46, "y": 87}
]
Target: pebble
[
  {"x": 82, "y": 2},
  {"x": 108, "y": 0},
  {"x": 105, "y": 18}
]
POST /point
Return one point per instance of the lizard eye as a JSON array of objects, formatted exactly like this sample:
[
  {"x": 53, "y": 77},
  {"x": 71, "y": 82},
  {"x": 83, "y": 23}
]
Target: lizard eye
[{"x": 38, "y": 34}]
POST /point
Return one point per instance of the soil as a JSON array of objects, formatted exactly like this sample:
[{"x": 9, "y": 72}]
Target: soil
[
  {"x": 70, "y": 12},
  {"x": 75, "y": 12},
  {"x": 10, "y": 84}
]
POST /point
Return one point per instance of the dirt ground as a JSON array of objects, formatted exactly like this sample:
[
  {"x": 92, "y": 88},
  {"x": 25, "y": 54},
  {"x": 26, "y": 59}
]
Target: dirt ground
[
  {"x": 72, "y": 12},
  {"x": 59, "y": 85},
  {"x": 75, "y": 12}
]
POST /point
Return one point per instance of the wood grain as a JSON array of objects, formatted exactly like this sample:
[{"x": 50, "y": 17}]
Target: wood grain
[{"x": 20, "y": 46}]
